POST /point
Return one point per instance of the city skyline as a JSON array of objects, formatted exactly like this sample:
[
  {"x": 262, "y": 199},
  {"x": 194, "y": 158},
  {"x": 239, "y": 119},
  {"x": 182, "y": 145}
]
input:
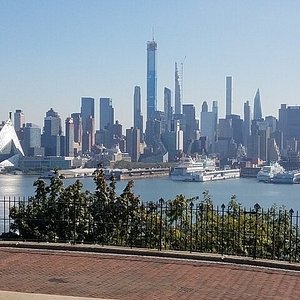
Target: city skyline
[{"x": 54, "y": 54}]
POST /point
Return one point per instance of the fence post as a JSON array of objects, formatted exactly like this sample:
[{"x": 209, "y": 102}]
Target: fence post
[
  {"x": 74, "y": 220},
  {"x": 291, "y": 232},
  {"x": 161, "y": 202},
  {"x": 256, "y": 208},
  {"x": 222, "y": 232},
  {"x": 191, "y": 226}
]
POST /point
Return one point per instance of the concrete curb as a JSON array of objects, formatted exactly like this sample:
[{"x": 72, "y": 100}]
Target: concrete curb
[{"x": 209, "y": 257}]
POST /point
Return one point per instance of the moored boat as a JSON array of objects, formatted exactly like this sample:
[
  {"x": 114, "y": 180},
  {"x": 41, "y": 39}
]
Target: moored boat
[
  {"x": 201, "y": 170},
  {"x": 287, "y": 177},
  {"x": 267, "y": 173}
]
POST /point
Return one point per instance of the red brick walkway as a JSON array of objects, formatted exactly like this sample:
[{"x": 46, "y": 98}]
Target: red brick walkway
[{"x": 134, "y": 277}]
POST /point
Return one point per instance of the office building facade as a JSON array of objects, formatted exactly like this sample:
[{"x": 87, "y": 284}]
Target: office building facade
[{"x": 151, "y": 79}]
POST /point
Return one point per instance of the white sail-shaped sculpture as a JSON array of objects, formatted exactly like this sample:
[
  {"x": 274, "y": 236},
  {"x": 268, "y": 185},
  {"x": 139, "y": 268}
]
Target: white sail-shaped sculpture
[{"x": 10, "y": 147}]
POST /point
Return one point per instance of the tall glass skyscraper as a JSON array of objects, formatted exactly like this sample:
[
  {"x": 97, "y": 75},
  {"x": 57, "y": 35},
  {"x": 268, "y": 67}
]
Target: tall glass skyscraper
[
  {"x": 228, "y": 95},
  {"x": 151, "y": 79},
  {"x": 88, "y": 123},
  {"x": 177, "y": 92},
  {"x": 257, "y": 114},
  {"x": 106, "y": 113}
]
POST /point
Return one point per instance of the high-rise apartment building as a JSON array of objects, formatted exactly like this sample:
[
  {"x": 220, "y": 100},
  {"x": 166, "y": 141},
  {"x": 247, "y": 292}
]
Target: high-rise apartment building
[
  {"x": 228, "y": 95},
  {"x": 257, "y": 113},
  {"x": 69, "y": 140},
  {"x": 189, "y": 114},
  {"x": 151, "y": 79},
  {"x": 168, "y": 108},
  {"x": 88, "y": 123},
  {"x": 19, "y": 120},
  {"x": 137, "y": 109},
  {"x": 178, "y": 99},
  {"x": 77, "y": 127},
  {"x": 106, "y": 113},
  {"x": 52, "y": 132},
  {"x": 247, "y": 123},
  {"x": 289, "y": 124},
  {"x": 208, "y": 125},
  {"x": 133, "y": 143},
  {"x": 32, "y": 140}
]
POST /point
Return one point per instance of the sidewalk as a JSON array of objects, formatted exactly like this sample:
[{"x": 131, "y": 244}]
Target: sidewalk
[
  {"x": 27, "y": 296},
  {"x": 116, "y": 276}
]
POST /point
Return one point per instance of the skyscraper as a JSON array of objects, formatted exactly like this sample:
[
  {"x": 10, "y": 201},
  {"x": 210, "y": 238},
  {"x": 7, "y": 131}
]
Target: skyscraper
[
  {"x": 77, "y": 127},
  {"x": 106, "y": 113},
  {"x": 69, "y": 147},
  {"x": 137, "y": 110},
  {"x": 247, "y": 123},
  {"x": 257, "y": 114},
  {"x": 208, "y": 124},
  {"x": 151, "y": 79},
  {"x": 168, "y": 108},
  {"x": 32, "y": 140},
  {"x": 19, "y": 120},
  {"x": 177, "y": 92},
  {"x": 52, "y": 133},
  {"x": 228, "y": 95},
  {"x": 189, "y": 113},
  {"x": 133, "y": 143},
  {"x": 88, "y": 123}
]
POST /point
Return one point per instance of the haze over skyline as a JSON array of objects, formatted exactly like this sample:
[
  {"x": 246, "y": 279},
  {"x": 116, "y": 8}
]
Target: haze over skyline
[{"x": 55, "y": 52}]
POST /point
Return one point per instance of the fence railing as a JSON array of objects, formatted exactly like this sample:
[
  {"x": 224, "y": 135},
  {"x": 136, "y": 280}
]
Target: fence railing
[{"x": 191, "y": 226}]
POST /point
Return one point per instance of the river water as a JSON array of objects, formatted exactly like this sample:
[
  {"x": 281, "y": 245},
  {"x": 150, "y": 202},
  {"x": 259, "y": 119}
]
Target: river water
[{"x": 248, "y": 191}]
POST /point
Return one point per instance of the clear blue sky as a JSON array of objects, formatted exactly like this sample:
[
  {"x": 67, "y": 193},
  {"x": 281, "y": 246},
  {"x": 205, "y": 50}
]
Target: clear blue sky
[{"x": 54, "y": 52}]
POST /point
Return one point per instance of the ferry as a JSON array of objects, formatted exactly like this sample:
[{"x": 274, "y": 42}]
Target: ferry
[
  {"x": 287, "y": 177},
  {"x": 201, "y": 170},
  {"x": 267, "y": 173},
  {"x": 189, "y": 168}
]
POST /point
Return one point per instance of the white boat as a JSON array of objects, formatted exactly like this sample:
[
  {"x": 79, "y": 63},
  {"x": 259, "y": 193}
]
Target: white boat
[
  {"x": 189, "y": 168},
  {"x": 267, "y": 173},
  {"x": 287, "y": 177},
  {"x": 201, "y": 170},
  {"x": 219, "y": 175}
]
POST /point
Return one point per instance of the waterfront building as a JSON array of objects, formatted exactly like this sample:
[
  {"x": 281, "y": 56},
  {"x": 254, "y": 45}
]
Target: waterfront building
[
  {"x": 228, "y": 95},
  {"x": 178, "y": 95},
  {"x": 10, "y": 147},
  {"x": 151, "y": 79},
  {"x": 137, "y": 111},
  {"x": 106, "y": 113},
  {"x": 88, "y": 123},
  {"x": 45, "y": 163},
  {"x": 32, "y": 140},
  {"x": 257, "y": 112}
]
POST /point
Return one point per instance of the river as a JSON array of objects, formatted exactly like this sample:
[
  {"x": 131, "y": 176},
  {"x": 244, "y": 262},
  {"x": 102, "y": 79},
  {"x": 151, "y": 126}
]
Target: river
[{"x": 248, "y": 191}]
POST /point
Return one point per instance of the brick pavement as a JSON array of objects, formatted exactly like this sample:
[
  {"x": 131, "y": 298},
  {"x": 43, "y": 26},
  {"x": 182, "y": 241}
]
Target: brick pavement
[{"x": 136, "y": 277}]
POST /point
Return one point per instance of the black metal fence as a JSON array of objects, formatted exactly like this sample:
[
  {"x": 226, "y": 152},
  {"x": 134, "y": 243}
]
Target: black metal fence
[{"x": 192, "y": 226}]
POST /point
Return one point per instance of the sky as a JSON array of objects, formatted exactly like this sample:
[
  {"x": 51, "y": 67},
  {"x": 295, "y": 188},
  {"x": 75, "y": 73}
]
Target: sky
[{"x": 54, "y": 52}]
